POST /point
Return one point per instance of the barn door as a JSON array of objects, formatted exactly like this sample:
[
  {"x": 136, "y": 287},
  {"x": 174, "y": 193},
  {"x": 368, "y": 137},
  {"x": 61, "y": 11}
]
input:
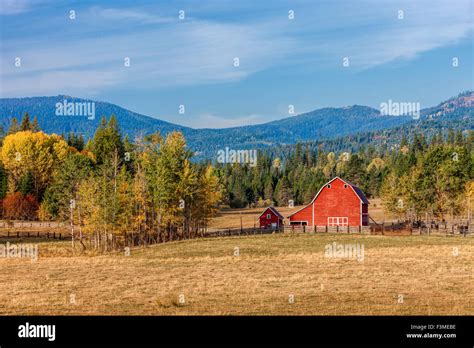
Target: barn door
[{"x": 338, "y": 221}]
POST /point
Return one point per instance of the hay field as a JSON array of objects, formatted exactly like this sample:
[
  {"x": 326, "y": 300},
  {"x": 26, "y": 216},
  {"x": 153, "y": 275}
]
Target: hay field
[{"x": 279, "y": 274}]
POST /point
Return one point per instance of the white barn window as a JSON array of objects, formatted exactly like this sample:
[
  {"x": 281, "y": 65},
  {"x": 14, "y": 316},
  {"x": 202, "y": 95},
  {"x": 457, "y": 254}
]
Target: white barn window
[{"x": 338, "y": 221}]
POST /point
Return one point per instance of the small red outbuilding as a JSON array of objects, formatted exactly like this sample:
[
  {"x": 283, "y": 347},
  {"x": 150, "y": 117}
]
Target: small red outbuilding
[
  {"x": 271, "y": 219},
  {"x": 338, "y": 203}
]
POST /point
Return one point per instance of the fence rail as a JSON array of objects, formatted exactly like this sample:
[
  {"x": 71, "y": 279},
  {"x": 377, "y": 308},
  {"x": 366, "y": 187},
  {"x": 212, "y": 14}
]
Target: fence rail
[
  {"x": 238, "y": 232},
  {"x": 327, "y": 229},
  {"x": 36, "y": 234},
  {"x": 31, "y": 224},
  {"x": 380, "y": 229}
]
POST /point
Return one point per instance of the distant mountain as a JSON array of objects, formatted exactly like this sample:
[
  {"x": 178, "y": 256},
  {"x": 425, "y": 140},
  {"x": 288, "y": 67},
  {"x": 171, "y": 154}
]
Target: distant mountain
[
  {"x": 456, "y": 113},
  {"x": 318, "y": 124},
  {"x": 44, "y": 108},
  {"x": 322, "y": 124}
]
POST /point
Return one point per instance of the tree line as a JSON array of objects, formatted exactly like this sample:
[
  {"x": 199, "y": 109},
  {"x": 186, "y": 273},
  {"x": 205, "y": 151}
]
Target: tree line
[{"x": 111, "y": 192}]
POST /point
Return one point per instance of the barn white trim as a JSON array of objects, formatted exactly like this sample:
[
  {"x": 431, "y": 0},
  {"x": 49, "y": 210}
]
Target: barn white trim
[{"x": 322, "y": 187}]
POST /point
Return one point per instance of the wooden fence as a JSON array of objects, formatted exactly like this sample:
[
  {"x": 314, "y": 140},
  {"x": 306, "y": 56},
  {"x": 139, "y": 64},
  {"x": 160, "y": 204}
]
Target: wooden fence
[
  {"x": 37, "y": 234},
  {"x": 238, "y": 232},
  {"x": 327, "y": 229},
  {"x": 31, "y": 224},
  {"x": 430, "y": 229},
  {"x": 380, "y": 229}
]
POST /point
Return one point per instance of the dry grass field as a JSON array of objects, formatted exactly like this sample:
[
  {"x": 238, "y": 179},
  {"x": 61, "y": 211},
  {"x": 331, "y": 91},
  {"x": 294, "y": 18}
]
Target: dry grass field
[{"x": 399, "y": 275}]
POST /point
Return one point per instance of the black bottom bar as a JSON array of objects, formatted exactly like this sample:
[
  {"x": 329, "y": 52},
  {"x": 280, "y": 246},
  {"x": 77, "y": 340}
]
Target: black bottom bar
[{"x": 193, "y": 331}]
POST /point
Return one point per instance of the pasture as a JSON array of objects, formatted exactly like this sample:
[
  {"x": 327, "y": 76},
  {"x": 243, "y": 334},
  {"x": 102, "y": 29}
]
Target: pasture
[{"x": 278, "y": 274}]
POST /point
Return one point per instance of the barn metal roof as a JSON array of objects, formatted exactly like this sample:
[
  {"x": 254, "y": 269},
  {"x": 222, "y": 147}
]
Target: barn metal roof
[
  {"x": 272, "y": 209},
  {"x": 357, "y": 190}
]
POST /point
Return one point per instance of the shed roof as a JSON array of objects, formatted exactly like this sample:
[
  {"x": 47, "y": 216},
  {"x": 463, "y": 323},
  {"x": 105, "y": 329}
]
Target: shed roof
[{"x": 272, "y": 209}]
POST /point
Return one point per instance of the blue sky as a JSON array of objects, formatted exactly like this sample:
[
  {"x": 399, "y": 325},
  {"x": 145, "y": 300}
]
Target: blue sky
[{"x": 283, "y": 61}]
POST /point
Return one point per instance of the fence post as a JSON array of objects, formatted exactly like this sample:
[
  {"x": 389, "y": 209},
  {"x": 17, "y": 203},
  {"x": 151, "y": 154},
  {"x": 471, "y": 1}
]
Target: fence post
[
  {"x": 304, "y": 228},
  {"x": 348, "y": 231},
  {"x": 47, "y": 236}
]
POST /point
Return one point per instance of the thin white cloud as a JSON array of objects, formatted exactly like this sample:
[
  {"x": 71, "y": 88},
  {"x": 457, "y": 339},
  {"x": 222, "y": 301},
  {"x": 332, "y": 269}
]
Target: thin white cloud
[
  {"x": 208, "y": 120},
  {"x": 71, "y": 82},
  {"x": 196, "y": 52},
  {"x": 12, "y": 7},
  {"x": 186, "y": 54},
  {"x": 426, "y": 25},
  {"x": 420, "y": 31},
  {"x": 118, "y": 14}
]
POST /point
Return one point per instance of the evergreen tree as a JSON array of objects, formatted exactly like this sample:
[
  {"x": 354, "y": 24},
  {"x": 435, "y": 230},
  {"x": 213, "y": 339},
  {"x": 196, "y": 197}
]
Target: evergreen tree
[
  {"x": 26, "y": 185},
  {"x": 107, "y": 140},
  {"x": 76, "y": 141},
  {"x": 35, "y": 125},
  {"x": 282, "y": 192},
  {"x": 14, "y": 127},
  {"x": 25, "y": 123},
  {"x": 3, "y": 181}
]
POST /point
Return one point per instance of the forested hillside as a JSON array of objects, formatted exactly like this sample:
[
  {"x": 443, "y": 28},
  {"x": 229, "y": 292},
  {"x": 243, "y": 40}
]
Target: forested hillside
[
  {"x": 337, "y": 127},
  {"x": 460, "y": 119}
]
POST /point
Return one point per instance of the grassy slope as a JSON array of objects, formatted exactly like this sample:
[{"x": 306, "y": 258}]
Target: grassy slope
[{"x": 259, "y": 281}]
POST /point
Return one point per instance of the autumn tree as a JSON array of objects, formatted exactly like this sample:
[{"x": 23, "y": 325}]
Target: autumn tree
[
  {"x": 17, "y": 206},
  {"x": 37, "y": 153},
  {"x": 66, "y": 180}
]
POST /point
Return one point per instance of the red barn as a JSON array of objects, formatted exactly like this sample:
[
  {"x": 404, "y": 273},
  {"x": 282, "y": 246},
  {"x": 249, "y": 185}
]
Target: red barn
[
  {"x": 338, "y": 203},
  {"x": 271, "y": 218}
]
